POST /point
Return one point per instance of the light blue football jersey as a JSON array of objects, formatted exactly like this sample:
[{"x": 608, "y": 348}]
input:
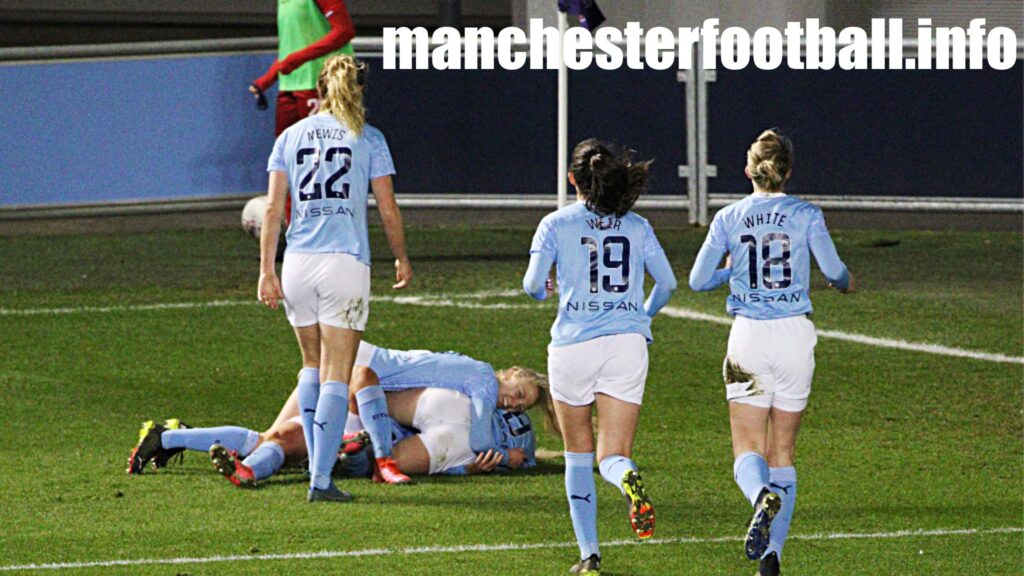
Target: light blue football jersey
[
  {"x": 406, "y": 369},
  {"x": 512, "y": 430},
  {"x": 329, "y": 170},
  {"x": 600, "y": 263},
  {"x": 768, "y": 238}
]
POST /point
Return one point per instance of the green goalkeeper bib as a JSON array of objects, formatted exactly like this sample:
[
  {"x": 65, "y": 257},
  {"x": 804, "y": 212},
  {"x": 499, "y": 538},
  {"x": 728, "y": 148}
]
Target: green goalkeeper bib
[{"x": 299, "y": 24}]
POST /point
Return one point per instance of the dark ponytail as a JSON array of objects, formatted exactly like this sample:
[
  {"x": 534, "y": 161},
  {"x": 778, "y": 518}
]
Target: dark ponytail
[{"x": 610, "y": 182}]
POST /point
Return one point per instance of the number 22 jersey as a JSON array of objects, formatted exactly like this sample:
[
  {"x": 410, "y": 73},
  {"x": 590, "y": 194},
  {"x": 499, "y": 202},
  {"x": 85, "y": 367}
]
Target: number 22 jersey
[{"x": 329, "y": 170}]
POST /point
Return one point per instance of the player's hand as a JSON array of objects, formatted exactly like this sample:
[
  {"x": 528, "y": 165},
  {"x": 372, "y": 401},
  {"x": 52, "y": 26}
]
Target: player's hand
[
  {"x": 728, "y": 261},
  {"x": 403, "y": 273},
  {"x": 269, "y": 291},
  {"x": 550, "y": 288},
  {"x": 485, "y": 462},
  {"x": 261, "y": 99},
  {"x": 515, "y": 458},
  {"x": 850, "y": 287}
]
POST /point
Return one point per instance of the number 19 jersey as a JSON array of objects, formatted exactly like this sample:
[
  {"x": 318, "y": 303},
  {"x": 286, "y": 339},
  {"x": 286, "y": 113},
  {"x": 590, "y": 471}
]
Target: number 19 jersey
[
  {"x": 329, "y": 170},
  {"x": 768, "y": 236},
  {"x": 600, "y": 262}
]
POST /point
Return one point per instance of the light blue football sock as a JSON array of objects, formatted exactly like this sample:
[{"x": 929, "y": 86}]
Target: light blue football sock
[
  {"x": 751, "y": 473},
  {"x": 241, "y": 440},
  {"x": 308, "y": 392},
  {"x": 328, "y": 426},
  {"x": 266, "y": 460},
  {"x": 373, "y": 410},
  {"x": 582, "y": 494},
  {"x": 783, "y": 483},
  {"x": 613, "y": 467}
]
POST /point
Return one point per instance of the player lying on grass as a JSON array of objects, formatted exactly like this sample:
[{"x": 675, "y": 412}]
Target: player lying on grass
[
  {"x": 379, "y": 370},
  {"x": 394, "y": 371},
  {"x": 431, "y": 428}
]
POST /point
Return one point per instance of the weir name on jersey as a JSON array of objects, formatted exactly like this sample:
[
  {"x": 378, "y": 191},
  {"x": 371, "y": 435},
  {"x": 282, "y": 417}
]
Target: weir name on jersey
[
  {"x": 596, "y": 306},
  {"x": 609, "y": 223},
  {"x": 765, "y": 298},
  {"x": 764, "y": 218},
  {"x": 325, "y": 134},
  {"x": 320, "y": 211}
]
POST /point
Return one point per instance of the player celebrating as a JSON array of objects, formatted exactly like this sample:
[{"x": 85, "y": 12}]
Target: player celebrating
[
  {"x": 325, "y": 163},
  {"x": 598, "y": 350},
  {"x": 515, "y": 390},
  {"x": 769, "y": 238}
]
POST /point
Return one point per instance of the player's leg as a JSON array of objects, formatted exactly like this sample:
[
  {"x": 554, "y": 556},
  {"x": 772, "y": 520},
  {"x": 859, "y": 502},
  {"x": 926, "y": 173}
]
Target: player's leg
[
  {"x": 794, "y": 371},
  {"x": 373, "y": 411},
  {"x": 241, "y": 440},
  {"x": 615, "y": 437},
  {"x": 573, "y": 371},
  {"x": 412, "y": 455},
  {"x": 307, "y": 391},
  {"x": 338, "y": 352},
  {"x": 749, "y": 389},
  {"x": 290, "y": 409},
  {"x": 619, "y": 392},
  {"x": 782, "y": 477}
]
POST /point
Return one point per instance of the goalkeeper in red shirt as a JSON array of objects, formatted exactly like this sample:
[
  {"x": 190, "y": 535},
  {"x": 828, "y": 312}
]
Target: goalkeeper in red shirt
[{"x": 308, "y": 32}]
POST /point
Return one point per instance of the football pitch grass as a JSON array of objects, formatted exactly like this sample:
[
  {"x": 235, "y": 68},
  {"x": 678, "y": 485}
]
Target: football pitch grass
[{"x": 909, "y": 462}]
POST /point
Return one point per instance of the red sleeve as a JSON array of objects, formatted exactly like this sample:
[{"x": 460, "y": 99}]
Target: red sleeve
[
  {"x": 269, "y": 77},
  {"x": 342, "y": 32}
]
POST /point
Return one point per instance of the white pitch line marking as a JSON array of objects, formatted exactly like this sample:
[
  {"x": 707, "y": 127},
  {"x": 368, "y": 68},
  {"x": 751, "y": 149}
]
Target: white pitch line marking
[
  {"x": 861, "y": 339},
  {"x": 460, "y": 301},
  {"x": 326, "y": 554}
]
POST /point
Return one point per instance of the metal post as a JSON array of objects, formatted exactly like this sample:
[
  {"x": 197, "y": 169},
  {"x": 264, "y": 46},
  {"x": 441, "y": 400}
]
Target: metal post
[
  {"x": 449, "y": 13},
  {"x": 563, "y": 117},
  {"x": 690, "y": 170},
  {"x": 703, "y": 168}
]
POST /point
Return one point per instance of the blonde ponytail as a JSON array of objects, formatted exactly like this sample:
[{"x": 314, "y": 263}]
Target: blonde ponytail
[
  {"x": 341, "y": 91},
  {"x": 770, "y": 160}
]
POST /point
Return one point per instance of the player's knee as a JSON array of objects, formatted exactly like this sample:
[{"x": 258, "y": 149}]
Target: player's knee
[{"x": 362, "y": 376}]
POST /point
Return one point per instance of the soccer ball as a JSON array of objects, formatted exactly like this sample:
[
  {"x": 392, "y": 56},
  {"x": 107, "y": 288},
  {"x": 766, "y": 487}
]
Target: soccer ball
[{"x": 252, "y": 216}]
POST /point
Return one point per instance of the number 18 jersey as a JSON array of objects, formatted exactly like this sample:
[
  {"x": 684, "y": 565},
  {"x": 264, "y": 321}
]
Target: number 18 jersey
[
  {"x": 768, "y": 236},
  {"x": 600, "y": 262},
  {"x": 329, "y": 170}
]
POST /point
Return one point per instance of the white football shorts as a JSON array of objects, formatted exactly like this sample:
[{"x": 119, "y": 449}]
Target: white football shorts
[
  {"x": 329, "y": 288},
  {"x": 770, "y": 363},
  {"x": 614, "y": 365},
  {"x": 443, "y": 419}
]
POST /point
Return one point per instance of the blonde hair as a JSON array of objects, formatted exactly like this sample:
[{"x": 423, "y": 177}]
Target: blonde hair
[
  {"x": 544, "y": 399},
  {"x": 340, "y": 87},
  {"x": 770, "y": 160}
]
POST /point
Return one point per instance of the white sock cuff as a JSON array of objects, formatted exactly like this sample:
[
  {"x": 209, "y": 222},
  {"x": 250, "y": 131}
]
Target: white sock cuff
[
  {"x": 353, "y": 423},
  {"x": 369, "y": 393},
  {"x": 784, "y": 474},
  {"x": 579, "y": 459},
  {"x": 334, "y": 388},
  {"x": 739, "y": 460},
  {"x": 252, "y": 438}
]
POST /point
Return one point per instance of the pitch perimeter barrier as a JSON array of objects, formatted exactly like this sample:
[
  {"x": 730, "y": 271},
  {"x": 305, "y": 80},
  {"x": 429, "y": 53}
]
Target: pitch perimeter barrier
[{"x": 159, "y": 126}]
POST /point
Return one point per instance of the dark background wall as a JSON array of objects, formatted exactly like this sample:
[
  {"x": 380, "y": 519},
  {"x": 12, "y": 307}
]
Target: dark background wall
[{"x": 176, "y": 127}]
